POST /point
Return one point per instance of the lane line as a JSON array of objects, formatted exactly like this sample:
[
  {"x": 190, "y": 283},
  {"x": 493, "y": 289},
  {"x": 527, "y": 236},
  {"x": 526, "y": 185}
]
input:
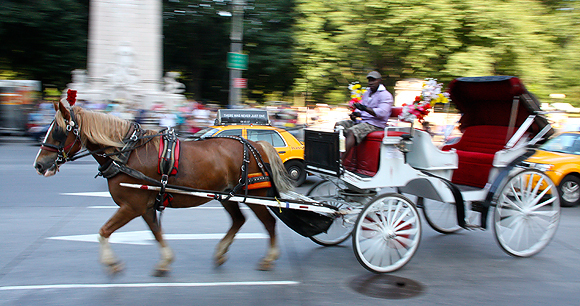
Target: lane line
[
  {"x": 198, "y": 207},
  {"x": 146, "y": 237},
  {"x": 146, "y": 285},
  {"x": 101, "y": 194}
]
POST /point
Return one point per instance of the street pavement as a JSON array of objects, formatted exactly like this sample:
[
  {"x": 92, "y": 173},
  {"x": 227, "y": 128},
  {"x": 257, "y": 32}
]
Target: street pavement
[{"x": 49, "y": 255}]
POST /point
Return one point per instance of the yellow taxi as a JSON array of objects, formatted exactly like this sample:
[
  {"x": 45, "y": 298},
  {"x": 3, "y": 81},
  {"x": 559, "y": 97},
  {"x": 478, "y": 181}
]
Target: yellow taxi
[
  {"x": 255, "y": 125},
  {"x": 559, "y": 158}
]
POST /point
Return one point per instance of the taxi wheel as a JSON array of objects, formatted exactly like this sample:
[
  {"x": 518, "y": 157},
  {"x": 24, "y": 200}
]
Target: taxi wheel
[
  {"x": 569, "y": 191},
  {"x": 296, "y": 171}
]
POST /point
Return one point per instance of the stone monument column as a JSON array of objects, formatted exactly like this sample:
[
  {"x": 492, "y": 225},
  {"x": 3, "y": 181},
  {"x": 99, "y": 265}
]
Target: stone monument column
[
  {"x": 126, "y": 35},
  {"x": 125, "y": 55}
]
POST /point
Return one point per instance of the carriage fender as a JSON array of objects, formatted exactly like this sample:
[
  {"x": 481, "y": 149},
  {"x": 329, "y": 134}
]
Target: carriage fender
[{"x": 438, "y": 189}]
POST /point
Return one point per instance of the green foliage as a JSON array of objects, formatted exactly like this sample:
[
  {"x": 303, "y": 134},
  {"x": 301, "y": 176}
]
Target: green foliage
[
  {"x": 197, "y": 41},
  {"x": 43, "y": 40},
  {"x": 339, "y": 42}
]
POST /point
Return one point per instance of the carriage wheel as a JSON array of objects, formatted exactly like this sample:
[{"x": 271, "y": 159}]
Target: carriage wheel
[
  {"x": 328, "y": 192},
  {"x": 441, "y": 216},
  {"x": 527, "y": 213},
  {"x": 387, "y": 233}
]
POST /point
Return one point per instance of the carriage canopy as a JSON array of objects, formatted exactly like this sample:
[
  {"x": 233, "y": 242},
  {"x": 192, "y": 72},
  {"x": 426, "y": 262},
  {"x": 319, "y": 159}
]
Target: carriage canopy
[{"x": 490, "y": 100}]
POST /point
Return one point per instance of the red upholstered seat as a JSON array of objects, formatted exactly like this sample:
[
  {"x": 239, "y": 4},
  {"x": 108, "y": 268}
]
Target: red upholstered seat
[
  {"x": 364, "y": 158},
  {"x": 476, "y": 150}
]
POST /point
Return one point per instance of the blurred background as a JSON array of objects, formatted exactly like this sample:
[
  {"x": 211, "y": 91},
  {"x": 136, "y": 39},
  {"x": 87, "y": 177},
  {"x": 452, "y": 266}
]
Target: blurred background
[{"x": 174, "y": 62}]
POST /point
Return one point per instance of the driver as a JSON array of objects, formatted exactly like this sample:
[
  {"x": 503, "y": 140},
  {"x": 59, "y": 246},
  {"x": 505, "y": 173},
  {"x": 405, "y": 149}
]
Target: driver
[{"x": 374, "y": 111}]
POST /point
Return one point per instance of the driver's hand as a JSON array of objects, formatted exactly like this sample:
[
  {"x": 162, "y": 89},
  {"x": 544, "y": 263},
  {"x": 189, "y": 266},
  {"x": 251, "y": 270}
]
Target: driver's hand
[
  {"x": 362, "y": 107},
  {"x": 354, "y": 115}
]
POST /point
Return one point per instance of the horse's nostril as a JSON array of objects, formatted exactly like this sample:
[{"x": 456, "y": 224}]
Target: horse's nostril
[{"x": 38, "y": 167}]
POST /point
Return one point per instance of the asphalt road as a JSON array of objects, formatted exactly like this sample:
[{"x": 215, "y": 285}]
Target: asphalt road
[{"x": 48, "y": 255}]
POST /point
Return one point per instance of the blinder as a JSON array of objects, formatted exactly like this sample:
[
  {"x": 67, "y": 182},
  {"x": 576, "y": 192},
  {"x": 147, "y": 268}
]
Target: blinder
[{"x": 59, "y": 134}]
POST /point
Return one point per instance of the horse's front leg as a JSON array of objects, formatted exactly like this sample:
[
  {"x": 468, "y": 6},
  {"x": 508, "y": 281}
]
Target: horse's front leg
[
  {"x": 106, "y": 255},
  {"x": 167, "y": 256}
]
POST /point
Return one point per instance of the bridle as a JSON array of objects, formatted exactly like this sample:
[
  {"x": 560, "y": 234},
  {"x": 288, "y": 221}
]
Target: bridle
[{"x": 60, "y": 135}]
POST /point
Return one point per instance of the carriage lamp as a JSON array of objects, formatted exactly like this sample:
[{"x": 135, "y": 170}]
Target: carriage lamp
[{"x": 405, "y": 144}]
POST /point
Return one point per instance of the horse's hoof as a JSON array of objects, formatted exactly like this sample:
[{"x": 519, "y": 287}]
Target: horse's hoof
[
  {"x": 220, "y": 260},
  {"x": 266, "y": 266},
  {"x": 160, "y": 272},
  {"x": 116, "y": 268}
]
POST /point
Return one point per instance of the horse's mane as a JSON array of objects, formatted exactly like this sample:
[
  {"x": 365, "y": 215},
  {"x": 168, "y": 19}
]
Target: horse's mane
[{"x": 98, "y": 128}]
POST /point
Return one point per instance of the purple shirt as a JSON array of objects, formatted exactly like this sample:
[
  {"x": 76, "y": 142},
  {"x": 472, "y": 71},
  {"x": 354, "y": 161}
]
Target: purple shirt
[{"x": 381, "y": 102}]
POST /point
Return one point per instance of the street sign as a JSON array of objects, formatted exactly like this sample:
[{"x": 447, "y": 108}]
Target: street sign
[
  {"x": 240, "y": 83},
  {"x": 237, "y": 61}
]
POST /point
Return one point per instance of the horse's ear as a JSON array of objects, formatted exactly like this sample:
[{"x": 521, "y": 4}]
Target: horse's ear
[
  {"x": 55, "y": 104},
  {"x": 64, "y": 111}
]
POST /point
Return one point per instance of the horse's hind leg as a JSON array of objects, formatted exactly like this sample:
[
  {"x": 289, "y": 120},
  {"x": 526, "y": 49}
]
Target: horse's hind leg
[
  {"x": 269, "y": 222},
  {"x": 106, "y": 255},
  {"x": 238, "y": 220},
  {"x": 167, "y": 256}
]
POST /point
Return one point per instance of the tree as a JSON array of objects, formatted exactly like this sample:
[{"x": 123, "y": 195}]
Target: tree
[
  {"x": 43, "y": 40},
  {"x": 197, "y": 42},
  {"x": 340, "y": 41}
]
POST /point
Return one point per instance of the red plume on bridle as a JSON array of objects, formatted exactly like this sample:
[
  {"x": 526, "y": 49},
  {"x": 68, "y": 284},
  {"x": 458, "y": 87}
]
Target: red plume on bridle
[{"x": 71, "y": 97}]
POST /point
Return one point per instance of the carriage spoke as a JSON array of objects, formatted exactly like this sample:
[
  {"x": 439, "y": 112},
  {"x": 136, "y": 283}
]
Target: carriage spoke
[
  {"x": 404, "y": 242},
  {"x": 540, "y": 205},
  {"x": 405, "y": 224},
  {"x": 511, "y": 204},
  {"x": 510, "y": 219}
]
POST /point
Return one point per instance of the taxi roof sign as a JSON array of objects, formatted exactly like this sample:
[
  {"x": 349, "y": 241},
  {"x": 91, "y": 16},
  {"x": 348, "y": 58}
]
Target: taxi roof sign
[{"x": 242, "y": 116}]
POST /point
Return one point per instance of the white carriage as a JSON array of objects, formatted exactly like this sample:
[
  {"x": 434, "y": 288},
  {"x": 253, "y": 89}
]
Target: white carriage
[{"x": 372, "y": 189}]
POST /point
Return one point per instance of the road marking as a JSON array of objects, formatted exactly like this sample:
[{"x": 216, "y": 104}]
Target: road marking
[
  {"x": 101, "y": 194},
  {"x": 146, "y": 237},
  {"x": 197, "y": 207},
  {"x": 146, "y": 285}
]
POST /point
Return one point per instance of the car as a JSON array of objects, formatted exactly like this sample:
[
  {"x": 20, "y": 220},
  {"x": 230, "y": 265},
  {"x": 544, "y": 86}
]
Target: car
[
  {"x": 254, "y": 125},
  {"x": 559, "y": 158}
]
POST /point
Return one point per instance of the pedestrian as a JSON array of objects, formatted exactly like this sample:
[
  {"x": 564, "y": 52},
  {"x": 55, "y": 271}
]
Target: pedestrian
[{"x": 374, "y": 111}]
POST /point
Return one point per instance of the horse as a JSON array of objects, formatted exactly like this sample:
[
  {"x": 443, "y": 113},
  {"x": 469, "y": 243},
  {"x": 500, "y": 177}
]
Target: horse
[{"x": 214, "y": 164}]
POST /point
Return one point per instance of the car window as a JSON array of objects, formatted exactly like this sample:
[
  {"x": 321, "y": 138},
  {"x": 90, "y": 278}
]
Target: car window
[
  {"x": 268, "y": 135},
  {"x": 565, "y": 143},
  {"x": 205, "y": 133},
  {"x": 234, "y": 132}
]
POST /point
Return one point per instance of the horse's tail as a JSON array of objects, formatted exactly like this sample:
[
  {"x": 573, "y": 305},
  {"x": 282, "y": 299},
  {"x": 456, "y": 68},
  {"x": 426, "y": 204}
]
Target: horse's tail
[{"x": 281, "y": 179}]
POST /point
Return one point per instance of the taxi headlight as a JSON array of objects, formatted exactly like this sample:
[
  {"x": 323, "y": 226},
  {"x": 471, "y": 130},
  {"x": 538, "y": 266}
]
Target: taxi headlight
[{"x": 541, "y": 167}]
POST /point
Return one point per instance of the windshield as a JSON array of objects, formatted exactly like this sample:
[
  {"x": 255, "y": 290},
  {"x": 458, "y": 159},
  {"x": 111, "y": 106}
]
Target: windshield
[
  {"x": 563, "y": 143},
  {"x": 205, "y": 133}
]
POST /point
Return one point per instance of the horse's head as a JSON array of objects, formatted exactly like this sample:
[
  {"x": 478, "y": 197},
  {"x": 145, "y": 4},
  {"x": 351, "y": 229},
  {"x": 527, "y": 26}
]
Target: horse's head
[{"x": 61, "y": 141}]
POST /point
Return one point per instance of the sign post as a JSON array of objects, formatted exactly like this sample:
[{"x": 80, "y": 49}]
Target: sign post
[{"x": 237, "y": 61}]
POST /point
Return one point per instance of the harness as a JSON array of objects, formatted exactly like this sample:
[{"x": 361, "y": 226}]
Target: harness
[
  {"x": 169, "y": 149},
  {"x": 248, "y": 180}
]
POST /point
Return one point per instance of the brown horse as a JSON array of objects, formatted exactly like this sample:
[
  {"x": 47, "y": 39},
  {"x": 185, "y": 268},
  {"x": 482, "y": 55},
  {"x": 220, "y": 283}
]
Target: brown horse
[{"x": 211, "y": 164}]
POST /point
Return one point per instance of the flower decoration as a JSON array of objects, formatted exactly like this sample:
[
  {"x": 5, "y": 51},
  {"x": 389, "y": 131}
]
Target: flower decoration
[
  {"x": 71, "y": 97},
  {"x": 430, "y": 95},
  {"x": 356, "y": 93}
]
